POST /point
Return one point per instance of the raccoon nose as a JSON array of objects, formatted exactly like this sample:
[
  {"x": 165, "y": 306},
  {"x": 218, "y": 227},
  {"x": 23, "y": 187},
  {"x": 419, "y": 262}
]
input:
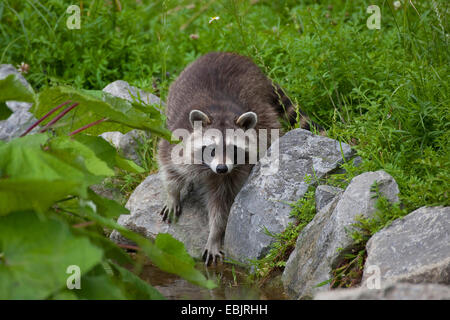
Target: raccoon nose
[{"x": 221, "y": 168}]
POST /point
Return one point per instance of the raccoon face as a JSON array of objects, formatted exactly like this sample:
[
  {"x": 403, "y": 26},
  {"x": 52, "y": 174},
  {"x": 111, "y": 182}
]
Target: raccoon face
[
  {"x": 223, "y": 159},
  {"x": 223, "y": 152}
]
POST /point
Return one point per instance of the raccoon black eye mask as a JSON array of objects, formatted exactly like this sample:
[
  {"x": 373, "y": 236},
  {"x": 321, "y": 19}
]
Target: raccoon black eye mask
[{"x": 218, "y": 91}]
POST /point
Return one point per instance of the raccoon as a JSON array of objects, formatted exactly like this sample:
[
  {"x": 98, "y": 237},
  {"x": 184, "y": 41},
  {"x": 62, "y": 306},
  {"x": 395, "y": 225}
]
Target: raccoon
[{"x": 218, "y": 91}]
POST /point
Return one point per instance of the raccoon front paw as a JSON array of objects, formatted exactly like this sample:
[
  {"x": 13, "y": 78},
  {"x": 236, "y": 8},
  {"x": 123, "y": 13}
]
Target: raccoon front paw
[
  {"x": 212, "y": 254},
  {"x": 168, "y": 211}
]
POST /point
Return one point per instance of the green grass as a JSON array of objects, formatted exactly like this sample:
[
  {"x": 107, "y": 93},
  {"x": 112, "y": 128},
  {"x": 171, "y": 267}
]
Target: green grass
[{"x": 383, "y": 91}]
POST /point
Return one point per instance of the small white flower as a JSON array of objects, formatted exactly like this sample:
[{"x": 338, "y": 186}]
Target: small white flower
[
  {"x": 23, "y": 67},
  {"x": 213, "y": 18},
  {"x": 397, "y": 4}
]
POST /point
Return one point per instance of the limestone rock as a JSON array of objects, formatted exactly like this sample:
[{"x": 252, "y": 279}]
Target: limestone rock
[
  {"x": 145, "y": 204},
  {"x": 415, "y": 248},
  {"x": 263, "y": 201},
  {"x": 322, "y": 243},
  {"x": 325, "y": 194},
  {"x": 122, "y": 89},
  {"x": 394, "y": 291}
]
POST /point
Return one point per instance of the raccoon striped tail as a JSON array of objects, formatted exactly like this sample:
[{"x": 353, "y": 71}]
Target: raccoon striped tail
[{"x": 293, "y": 113}]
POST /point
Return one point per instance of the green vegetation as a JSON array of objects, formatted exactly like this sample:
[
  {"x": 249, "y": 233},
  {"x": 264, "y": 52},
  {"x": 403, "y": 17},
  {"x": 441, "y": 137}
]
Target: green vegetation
[
  {"x": 384, "y": 91},
  {"x": 52, "y": 222}
]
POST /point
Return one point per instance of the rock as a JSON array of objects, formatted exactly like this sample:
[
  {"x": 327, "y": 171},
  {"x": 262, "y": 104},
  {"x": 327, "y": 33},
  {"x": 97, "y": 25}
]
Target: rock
[
  {"x": 127, "y": 144},
  {"x": 324, "y": 195},
  {"x": 263, "y": 200},
  {"x": 393, "y": 291},
  {"x": 20, "y": 119},
  {"x": 323, "y": 242},
  {"x": 413, "y": 249},
  {"x": 122, "y": 90},
  {"x": 145, "y": 205},
  {"x": 308, "y": 255}
]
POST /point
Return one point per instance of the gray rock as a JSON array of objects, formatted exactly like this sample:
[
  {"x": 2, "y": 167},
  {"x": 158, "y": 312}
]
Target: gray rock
[
  {"x": 305, "y": 267},
  {"x": 20, "y": 119},
  {"x": 393, "y": 291},
  {"x": 263, "y": 201},
  {"x": 145, "y": 205},
  {"x": 325, "y": 194},
  {"x": 358, "y": 199},
  {"x": 127, "y": 143},
  {"x": 413, "y": 249},
  {"x": 122, "y": 90},
  {"x": 322, "y": 244}
]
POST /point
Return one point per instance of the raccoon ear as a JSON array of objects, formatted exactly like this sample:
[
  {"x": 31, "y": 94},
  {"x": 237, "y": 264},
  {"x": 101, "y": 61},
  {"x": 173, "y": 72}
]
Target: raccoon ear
[
  {"x": 197, "y": 115},
  {"x": 247, "y": 120}
]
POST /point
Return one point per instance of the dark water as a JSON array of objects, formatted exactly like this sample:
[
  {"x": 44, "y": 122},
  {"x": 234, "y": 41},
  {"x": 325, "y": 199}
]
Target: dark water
[{"x": 232, "y": 284}]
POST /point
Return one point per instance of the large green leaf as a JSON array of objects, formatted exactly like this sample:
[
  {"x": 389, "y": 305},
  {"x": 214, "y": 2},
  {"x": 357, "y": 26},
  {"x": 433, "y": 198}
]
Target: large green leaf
[
  {"x": 79, "y": 155},
  {"x": 107, "y": 207},
  {"x": 34, "y": 174},
  {"x": 122, "y": 115},
  {"x": 134, "y": 286},
  {"x": 110, "y": 249},
  {"x": 107, "y": 153},
  {"x": 99, "y": 287},
  {"x": 165, "y": 252},
  {"x": 35, "y": 254}
]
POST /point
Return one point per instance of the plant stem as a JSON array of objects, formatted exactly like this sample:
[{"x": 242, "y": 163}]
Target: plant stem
[
  {"x": 87, "y": 126},
  {"x": 43, "y": 118},
  {"x": 59, "y": 116}
]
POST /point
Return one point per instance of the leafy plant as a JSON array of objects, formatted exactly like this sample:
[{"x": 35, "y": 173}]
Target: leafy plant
[{"x": 50, "y": 219}]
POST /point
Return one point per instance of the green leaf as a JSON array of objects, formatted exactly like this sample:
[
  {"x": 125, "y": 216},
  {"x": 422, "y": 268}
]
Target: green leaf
[
  {"x": 12, "y": 89},
  {"x": 102, "y": 148},
  {"x": 160, "y": 252},
  {"x": 31, "y": 177},
  {"x": 134, "y": 286},
  {"x": 167, "y": 243},
  {"x": 35, "y": 255},
  {"x": 105, "y": 151},
  {"x": 107, "y": 207},
  {"x": 128, "y": 165},
  {"x": 94, "y": 105},
  {"x": 110, "y": 249},
  {"x": 80, "y": 156},
  {"x": 323, "y": 283},
  {"x": 5, "y": 112},
  {"x": 99, "y": 287}
]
